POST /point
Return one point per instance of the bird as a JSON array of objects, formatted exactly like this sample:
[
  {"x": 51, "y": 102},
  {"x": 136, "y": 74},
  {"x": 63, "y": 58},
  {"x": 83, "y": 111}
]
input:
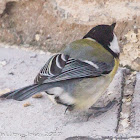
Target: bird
[{"x": 79, "y": 74}]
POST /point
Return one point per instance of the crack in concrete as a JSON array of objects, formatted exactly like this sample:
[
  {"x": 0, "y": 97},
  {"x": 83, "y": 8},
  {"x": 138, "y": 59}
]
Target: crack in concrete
[
  {"x": 120, "y": 107},
  {"x": 102, "y": 138},
  {"x": 119, "y": 137},
  {"x": 124, "y": 113},
  {"x": 132, "y": 114}
]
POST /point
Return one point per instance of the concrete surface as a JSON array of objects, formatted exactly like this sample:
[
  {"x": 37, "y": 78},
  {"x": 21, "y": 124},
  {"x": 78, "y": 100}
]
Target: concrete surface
[{"x": 43, "y": 120}]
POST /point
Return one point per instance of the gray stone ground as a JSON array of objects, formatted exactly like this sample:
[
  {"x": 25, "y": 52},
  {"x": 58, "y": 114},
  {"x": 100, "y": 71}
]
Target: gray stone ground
[{"x": 43, "y": 120}]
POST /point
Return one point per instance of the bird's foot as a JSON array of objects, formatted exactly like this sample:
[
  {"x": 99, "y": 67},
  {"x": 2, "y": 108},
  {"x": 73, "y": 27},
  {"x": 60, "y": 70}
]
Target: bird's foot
[
  {"x": 97, "y": 111},
  {"x": 69, "y": 107}
]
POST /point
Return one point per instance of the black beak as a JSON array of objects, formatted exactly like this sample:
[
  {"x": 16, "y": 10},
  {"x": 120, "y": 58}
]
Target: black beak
[{"x": 113, "y": 26}]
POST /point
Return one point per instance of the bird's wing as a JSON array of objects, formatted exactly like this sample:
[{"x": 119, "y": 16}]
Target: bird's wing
[{"x": 63, "y": 67}]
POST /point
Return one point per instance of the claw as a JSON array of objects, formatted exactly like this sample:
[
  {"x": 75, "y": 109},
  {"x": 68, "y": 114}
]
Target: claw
[
  {"x": 69, "y": 107},
  {"x": 105, "y": 108},
  {"x": 101, "y": 110}
]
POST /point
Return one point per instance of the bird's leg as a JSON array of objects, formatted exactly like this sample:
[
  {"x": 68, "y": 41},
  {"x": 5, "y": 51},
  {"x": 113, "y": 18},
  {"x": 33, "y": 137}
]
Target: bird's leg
[
  {"x": 69, "y": 107},
  {"x": 105, "y": 108},
  {"x": 58, "y": 101},
  {"x": 100, "y": 110}
]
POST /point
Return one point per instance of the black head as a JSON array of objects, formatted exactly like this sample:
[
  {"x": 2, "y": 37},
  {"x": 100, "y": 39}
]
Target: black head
[{"x": 103, "y": 34}]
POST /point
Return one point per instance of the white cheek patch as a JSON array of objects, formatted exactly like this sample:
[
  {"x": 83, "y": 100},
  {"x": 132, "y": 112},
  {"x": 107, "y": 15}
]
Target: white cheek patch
[{"x": 114, "y": 46}]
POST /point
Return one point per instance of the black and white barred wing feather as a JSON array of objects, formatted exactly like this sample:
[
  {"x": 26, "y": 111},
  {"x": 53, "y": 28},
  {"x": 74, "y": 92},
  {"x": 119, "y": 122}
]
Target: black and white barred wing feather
[
  {"x": 52, "y": 68},
  {"x": 62, "y": 67}
]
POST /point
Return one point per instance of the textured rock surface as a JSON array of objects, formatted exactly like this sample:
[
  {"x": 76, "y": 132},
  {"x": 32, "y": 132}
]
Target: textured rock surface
[
  {"x": 50, "y": 24},
  {"x": 131, "y": 50}
]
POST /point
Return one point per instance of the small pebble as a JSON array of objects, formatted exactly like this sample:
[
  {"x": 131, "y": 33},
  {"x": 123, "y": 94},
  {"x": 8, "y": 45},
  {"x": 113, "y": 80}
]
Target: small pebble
[
  {"x": 125, "y": 123},
  {"x": 37, "y": 37},
  {"x": 37, "y": 95},
  {"x": 27, "y": 104}
]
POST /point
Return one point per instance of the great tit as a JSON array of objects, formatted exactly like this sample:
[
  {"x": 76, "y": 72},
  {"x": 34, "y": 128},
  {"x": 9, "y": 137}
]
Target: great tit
[{"x": 79, "y": 74}]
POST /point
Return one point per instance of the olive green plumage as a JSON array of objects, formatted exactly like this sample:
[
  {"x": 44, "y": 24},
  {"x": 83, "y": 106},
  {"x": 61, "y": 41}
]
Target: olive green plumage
[{"x": 88, "y": 49}]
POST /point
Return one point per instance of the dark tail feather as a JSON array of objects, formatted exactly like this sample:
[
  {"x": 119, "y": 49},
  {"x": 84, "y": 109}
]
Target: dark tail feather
[{"x": 26, "y": 92}]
